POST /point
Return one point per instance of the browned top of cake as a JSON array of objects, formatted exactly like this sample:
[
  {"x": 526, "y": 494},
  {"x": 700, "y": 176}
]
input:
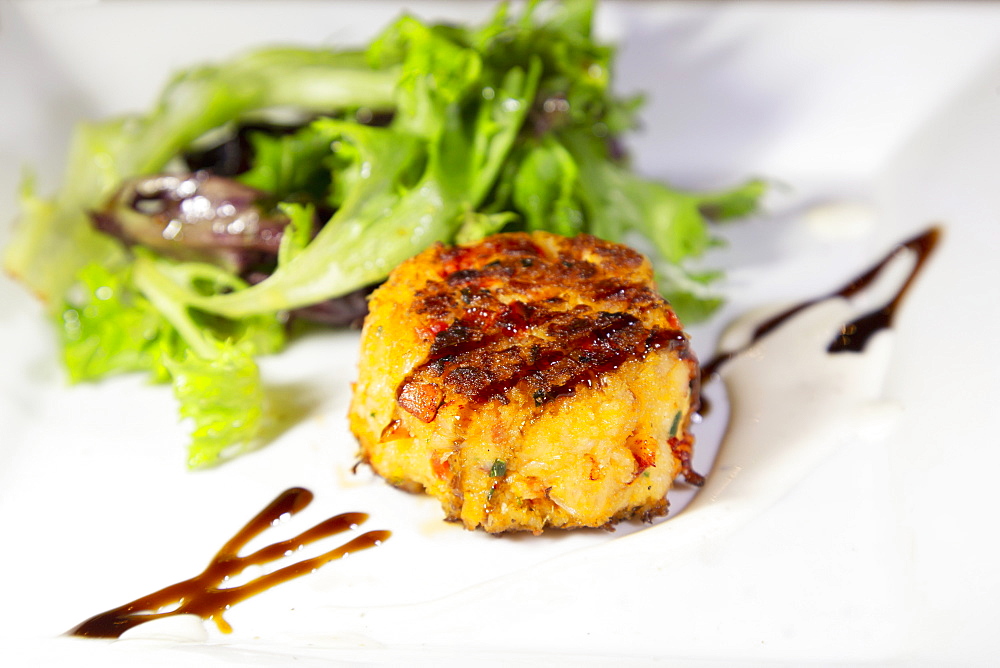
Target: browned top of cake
[{"x": 549, "y": 312}]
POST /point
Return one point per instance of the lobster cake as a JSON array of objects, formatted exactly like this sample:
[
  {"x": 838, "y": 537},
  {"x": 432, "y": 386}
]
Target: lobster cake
[{"x": 527, "y": 381}]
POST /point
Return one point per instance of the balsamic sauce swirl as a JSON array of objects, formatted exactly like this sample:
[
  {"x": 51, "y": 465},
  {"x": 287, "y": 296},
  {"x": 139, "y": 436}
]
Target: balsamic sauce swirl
[
  {"x": 203, "y": 595},
  {"x": 853, "y": 336}
]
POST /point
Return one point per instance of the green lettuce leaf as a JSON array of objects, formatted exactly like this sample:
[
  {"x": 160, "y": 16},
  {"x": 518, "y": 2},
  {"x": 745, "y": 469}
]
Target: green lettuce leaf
[
  {"x": 113, "y": 325},
  {"x": 291, "y": 167},
  {"x": 224, "y": 399},
  {"x": 110, "y": 328},
  {"x": 617, "y": 202},
  {"x": 194, "y": 102},
  {"x": 394, "y": 210}
]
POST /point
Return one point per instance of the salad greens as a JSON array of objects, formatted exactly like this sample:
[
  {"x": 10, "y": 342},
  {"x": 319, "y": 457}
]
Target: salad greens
[{"x": 432, "y": 133}]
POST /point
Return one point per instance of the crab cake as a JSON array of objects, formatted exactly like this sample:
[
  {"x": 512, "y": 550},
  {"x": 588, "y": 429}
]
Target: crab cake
[{"x": 527, "y": 381}]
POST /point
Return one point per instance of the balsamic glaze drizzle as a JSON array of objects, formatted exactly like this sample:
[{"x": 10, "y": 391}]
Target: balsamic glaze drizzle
[
  {"x": 853, "y": 336},
  {"x": 202, "y": 595}
]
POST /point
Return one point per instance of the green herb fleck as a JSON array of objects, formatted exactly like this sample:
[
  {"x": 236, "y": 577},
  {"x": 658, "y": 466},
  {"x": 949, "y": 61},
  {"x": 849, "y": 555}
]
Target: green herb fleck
[
  {"x": 675, "y": 424},
  {"x": 499, "y": 468}
]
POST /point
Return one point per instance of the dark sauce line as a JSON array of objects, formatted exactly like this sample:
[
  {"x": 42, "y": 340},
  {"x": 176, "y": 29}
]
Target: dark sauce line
[
  {"x": 600, "y": 346},
  {"x": 202, "y": 594},
  {"x": 853, "y": 336},
  {"x": 601, "y": 362}
]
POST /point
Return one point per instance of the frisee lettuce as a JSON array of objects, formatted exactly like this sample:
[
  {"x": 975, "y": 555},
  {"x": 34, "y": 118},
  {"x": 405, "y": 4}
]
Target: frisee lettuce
[
  {"x": 224, "y": 398},
  {"x": 508, "y": 125}
]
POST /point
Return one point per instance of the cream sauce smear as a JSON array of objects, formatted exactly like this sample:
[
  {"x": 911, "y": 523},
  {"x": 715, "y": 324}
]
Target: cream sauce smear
[{"x": 801, "y": 380}]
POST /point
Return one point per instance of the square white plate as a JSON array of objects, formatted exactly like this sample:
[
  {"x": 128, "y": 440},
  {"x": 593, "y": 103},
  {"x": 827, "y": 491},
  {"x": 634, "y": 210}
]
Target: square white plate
[{"x": 875, "y": 120}]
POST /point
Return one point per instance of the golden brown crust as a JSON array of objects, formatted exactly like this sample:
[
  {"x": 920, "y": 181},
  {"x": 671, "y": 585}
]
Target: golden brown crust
[{"x": 476, "y": 358}]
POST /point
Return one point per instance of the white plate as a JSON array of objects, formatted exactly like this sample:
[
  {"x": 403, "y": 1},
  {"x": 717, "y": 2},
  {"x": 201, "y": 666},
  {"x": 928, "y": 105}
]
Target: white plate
[{"x": 876, "y": 545}]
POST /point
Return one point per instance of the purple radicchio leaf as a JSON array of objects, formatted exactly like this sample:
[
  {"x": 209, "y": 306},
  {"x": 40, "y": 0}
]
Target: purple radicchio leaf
[{"x": 194, "y": 216}]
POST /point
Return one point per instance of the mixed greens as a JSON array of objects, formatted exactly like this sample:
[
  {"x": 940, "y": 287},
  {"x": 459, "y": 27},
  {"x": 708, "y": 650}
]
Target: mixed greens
[{"x": 281, "y": 185}]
